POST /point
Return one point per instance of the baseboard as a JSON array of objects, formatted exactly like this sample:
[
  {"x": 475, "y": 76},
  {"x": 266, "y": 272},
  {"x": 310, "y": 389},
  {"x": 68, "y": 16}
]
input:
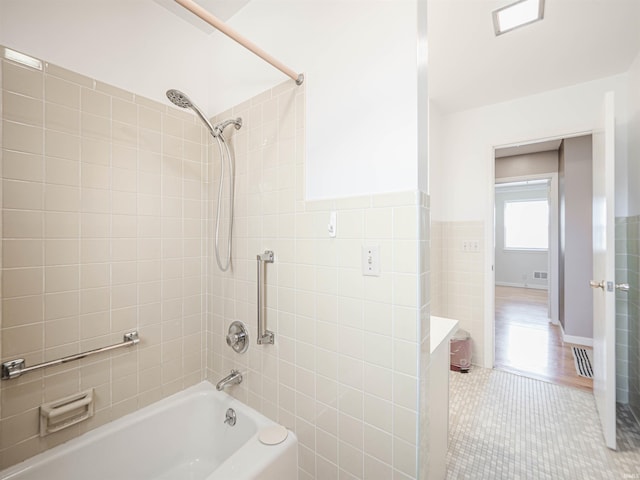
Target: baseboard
[
  {"x": 573, "y": 339},
  {"x": 521, "y": 285}
]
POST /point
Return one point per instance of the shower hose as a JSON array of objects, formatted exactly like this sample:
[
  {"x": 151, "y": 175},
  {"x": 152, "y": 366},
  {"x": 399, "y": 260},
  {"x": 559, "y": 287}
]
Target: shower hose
[{"x": 225, "y": 154}]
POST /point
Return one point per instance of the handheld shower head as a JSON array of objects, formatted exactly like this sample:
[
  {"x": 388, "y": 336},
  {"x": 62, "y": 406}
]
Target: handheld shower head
[
  {"x": 178, "y": 98},
  {"x": 181, "y": 100}
]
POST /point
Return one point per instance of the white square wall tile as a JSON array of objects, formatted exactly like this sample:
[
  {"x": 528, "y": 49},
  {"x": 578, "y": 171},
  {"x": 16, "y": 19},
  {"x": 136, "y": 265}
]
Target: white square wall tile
[
  {"x": 350, "y": 401},
  {"x": 405, "y": 290},
  {"x": 350, "y": 459},
  {"x": 378, "y": 317},
  {"x": 405, "y": 390},
  {"x": 351, "y": 431},
  {"x": 378, "y": 223},
  {"x": 405, "y": 457},
  {"x": 378, "y": 350},
  {"x": 374, "y": 469},
  {"x": 378, "y": 444},
  {"x": 405, "y": 223},
  {"x": 378, "y": 381},
  {"x": 405, "y": 357},
  {"x": 405, "y": 424},
  {"x": 378, "y": 413}
]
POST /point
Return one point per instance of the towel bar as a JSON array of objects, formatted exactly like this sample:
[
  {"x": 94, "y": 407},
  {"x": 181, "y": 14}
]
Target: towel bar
[{"x": 15, "y": 368}]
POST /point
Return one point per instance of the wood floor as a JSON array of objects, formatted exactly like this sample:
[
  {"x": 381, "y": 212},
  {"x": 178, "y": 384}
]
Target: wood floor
[{"x": 528, "y": 344}]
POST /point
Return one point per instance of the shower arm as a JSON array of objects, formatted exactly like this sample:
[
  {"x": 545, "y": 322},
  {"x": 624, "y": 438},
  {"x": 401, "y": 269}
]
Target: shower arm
[
  {"x": 219, "y": 128},
  {"x": 218, "y": 24}
]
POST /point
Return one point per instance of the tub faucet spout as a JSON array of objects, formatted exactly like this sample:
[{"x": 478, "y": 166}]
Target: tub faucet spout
[{"x": 233, "y": 378}]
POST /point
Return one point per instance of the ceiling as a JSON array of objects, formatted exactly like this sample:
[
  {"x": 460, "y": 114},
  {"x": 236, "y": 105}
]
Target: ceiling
[
  {"x": 577, "y": 41},
  {"x": 223, "y": 9}
]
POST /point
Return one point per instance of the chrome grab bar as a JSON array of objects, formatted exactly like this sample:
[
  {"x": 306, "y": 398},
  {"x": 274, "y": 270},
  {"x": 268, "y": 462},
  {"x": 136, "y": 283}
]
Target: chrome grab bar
[
  {"x": 265, "y": 337},
  {"x": 15, "y": 368}
]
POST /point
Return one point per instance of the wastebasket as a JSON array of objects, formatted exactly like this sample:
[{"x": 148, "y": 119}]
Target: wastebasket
[{"x": 460, "y": 351}]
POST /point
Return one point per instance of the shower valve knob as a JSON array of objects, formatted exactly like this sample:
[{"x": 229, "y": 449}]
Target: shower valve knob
[
  {"x": 235, "y": 338},
  {"x": 238, "y": 338}
]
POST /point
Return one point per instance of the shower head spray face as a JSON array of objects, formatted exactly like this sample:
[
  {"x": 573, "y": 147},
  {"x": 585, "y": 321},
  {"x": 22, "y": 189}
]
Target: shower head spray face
[{"x": 179, "y": 99}]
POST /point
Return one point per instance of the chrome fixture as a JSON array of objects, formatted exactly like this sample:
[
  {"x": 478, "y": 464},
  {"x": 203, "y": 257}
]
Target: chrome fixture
[
  {"x": 623, "y": 287},
  {"x": 218, "y": 24},
  {"x": 230, "y": 417},
  {"x": 238, "y": 337},
  {"x": 15, "y": 368},
  {"x": 594, "y": 284},
  {"x": 265, "y": 337},
  {"x": 234, "y": 378},
  {"x": 219, "y": 127},
  {"x": 181, "y": 100}
]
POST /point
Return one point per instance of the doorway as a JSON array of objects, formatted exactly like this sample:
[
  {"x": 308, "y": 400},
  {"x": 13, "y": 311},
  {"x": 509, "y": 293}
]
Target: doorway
[{"x": 530, "y": 202}]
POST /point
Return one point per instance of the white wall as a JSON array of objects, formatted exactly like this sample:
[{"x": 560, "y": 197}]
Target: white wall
[
  {"x": 135, "y": 45},
  {"x": 470, "y": 136},
  {"x": 436, "y": 124},
  {"x": 466, "y": 163},
  {"x": 359, "y": 61}
]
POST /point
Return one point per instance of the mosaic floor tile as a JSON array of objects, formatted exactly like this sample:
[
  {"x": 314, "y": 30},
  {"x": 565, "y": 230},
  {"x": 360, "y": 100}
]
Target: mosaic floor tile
[{"x": 504, "y": 426}]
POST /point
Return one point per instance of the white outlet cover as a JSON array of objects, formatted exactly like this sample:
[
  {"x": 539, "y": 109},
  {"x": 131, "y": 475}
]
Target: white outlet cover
[{"x": 371, "y": 260}]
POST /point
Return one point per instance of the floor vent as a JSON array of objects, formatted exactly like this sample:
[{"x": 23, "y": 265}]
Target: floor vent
[{"x": 540, "y": 275}]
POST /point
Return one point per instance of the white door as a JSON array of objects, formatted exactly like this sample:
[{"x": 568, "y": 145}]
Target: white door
[{"x": 603, "y": 282}]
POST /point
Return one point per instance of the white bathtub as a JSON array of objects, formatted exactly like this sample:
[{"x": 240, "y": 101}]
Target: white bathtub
[{"x": 182, "y": 437}]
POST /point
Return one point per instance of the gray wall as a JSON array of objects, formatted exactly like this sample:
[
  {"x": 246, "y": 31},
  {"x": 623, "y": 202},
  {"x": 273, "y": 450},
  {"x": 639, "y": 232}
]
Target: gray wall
[
  {"x": 575, "y": 185},
  {"x": 529, "y": 164},
  {"x": 515, "y": 268}
]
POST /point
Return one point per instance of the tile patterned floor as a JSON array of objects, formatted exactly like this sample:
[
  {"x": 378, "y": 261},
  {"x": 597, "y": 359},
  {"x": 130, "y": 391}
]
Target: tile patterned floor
[{"x": 504, "y": 426}]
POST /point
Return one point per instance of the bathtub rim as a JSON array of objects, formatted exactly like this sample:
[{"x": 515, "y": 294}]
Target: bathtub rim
[{"x": 201, "y": 389}]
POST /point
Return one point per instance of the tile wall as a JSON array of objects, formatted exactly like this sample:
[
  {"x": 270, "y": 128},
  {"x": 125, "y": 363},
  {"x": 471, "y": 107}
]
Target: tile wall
[
  {"x": 424, "y": 302},
  {"x": 343, "y": 373},
  {"x": 107, "y": 219},
  {"x": 458, "y": 278},
  {"x": 633, "y": 299},
  {"x": 103, "y": 221},
  {"x": 622, "y": 311}
]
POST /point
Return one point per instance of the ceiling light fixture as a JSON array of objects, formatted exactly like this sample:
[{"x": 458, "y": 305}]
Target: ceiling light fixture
[{"x": 517, "y": 15}]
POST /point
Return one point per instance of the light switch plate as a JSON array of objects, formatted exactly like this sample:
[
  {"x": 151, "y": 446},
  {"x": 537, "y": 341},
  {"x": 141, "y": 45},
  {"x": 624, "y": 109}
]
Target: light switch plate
[{"x": 332, "y": 227}]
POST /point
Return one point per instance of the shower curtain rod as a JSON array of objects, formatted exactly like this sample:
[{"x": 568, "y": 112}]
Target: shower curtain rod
[{"x": 215, "y": 22}]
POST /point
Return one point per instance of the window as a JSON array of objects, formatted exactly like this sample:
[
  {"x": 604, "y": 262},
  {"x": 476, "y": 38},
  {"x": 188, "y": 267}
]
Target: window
[{"x": 526, "y": 225}]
